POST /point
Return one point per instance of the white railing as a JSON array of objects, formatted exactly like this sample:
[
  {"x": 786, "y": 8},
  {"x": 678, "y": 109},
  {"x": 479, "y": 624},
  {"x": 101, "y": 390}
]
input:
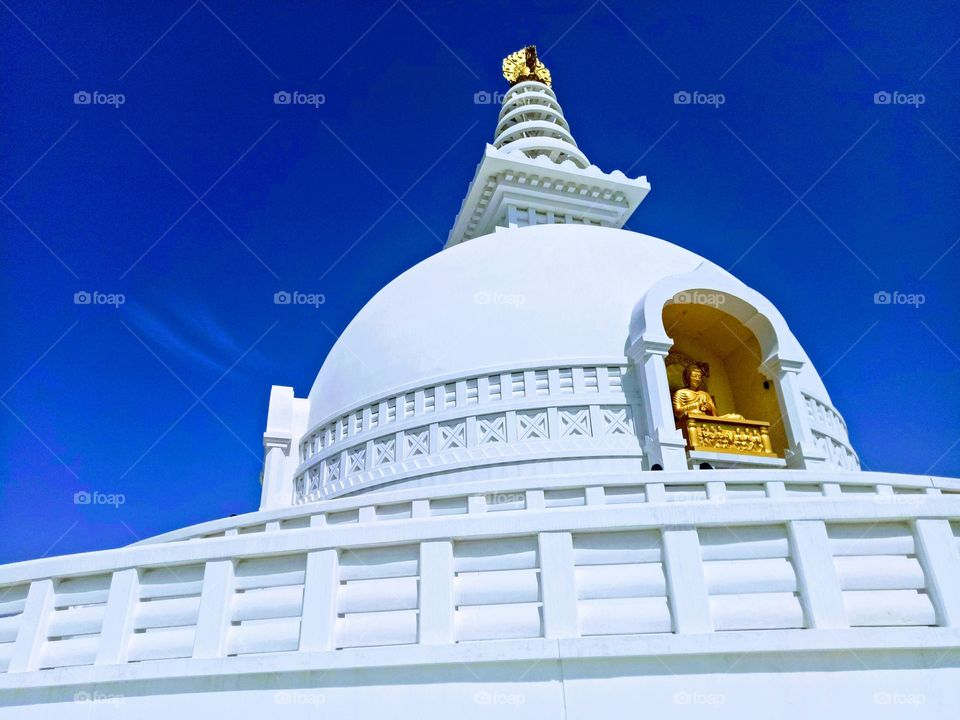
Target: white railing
[
  {"x": 494, "y": 417},
  {"x": 546, "y": 493},
  {"x": 839, "y": 560}
]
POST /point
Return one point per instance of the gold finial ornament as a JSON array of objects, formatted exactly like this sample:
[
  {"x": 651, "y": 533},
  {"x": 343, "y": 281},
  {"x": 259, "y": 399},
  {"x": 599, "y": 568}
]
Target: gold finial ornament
[{"x": 525, "y": 65}]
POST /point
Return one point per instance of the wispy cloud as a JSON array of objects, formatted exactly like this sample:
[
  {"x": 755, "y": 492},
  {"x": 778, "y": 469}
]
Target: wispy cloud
[{"x": 191, "y": 335}]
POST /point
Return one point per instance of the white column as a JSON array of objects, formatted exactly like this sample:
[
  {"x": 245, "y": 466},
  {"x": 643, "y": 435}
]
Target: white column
[
  {"x": 118, "y": 617},
  {"x": 802, "y": 451},
  {"x": 940, "y": 557},
  {"x": 436, "y": 592},
  {"x": 664, "y": 444},
  {"x": 33, "y": 627},
  {"x": 272, "y": 493},
  {"x": 558, "y": 585},
  {"x": 319, "y": 614},
  {"x": 686, "y": 584},
  {"x": 277, "y": 440},
  {"x": 213, "y": 619},
  {"x": 816, "y": 575}
]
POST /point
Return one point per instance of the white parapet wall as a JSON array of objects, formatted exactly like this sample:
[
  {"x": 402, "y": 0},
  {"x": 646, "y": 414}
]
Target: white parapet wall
[{"x": 736, "y": 592}]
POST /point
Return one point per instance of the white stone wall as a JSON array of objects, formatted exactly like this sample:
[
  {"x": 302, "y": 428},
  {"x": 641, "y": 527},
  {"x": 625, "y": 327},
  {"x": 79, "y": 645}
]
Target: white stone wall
[{"x": 725, "y": 566}]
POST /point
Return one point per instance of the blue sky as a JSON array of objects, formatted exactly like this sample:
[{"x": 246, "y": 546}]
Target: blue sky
[{"x": 198, "y": 198}]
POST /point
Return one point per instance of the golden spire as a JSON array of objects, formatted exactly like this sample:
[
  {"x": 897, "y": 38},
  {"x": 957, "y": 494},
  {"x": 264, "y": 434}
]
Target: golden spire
[{"x": 525, "y": 65}]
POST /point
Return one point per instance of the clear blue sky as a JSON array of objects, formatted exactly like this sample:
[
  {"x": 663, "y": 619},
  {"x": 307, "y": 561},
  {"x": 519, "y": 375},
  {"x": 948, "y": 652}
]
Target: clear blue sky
[{"x": 164, "y": 399}]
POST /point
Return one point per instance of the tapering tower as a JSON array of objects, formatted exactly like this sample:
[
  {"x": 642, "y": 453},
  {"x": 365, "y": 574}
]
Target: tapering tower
[
  {"x": 531, "y": 120},
  {"x": 534, "y": 173}
]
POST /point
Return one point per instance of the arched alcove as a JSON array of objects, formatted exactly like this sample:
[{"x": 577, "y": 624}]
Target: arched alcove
[{"x": 730, "y": 356}]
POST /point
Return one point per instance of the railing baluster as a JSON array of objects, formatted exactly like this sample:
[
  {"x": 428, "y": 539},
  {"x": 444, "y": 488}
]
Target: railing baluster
[
  {"x": 33, "y": 627},
  {"x": 319, "y": 614},
  {"x": 213, "y": 621},
  {"x": 118, "y": 617}
]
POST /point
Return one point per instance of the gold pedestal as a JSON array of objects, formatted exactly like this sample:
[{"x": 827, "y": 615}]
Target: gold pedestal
[{"x": 727, "y": 435}]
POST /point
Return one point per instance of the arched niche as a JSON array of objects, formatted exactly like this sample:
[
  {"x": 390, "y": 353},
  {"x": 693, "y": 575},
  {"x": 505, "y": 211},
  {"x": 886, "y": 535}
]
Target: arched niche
[
  {"x": 729, "y": 354},
  {"x": 779, "y": 359}
]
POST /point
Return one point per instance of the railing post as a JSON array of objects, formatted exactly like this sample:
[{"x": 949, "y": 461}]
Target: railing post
[
  {"x": 686, "y": 584},
  {"x": 558, "y": 585},
  {"x": 213, "y": 620},
  {"x": 118, "y": 617},
  {"x": 33, "y": 627},
  {"x": 819, "y": 586},
  {"x": 940, "y": 558},
  {"x": 436, "y": 592},
  {"x": 319, "y": 615}
]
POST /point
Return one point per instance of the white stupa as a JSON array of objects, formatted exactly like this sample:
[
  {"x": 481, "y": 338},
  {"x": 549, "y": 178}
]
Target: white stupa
[{"x": 557, "y": 470}]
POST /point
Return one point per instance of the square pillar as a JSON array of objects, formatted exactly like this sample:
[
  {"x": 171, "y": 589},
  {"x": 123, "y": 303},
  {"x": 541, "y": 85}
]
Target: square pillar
[
  {"x": 436, "y": 592},
  {"x": 213, "y": 619},
  {"x": 558, "y": 586},
  {"x": 319, "y": 612},
  {"x": 118, "y": 617},
  {"x": 686, "y": 582},
  {"x": 32, "y": 634},
  {"x": 802, "y": 451},
  {"x": 817, "y": 579},
  {"x": 940, "y": 558},
  {"x": 664, "y": 444}
]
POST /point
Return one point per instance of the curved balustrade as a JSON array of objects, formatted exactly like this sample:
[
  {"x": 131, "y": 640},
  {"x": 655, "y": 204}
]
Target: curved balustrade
[
  {"x": 493, "y": 418},
  {"x": 508, "y": 416},
  {"x": 522, "y": 494},
  {"x": 496, "y": 563}
]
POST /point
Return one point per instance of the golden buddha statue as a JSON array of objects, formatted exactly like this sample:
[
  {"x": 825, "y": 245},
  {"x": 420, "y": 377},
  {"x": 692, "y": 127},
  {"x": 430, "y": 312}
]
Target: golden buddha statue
[
  {"x": 706, "y": 430},
  {"x": 692, "y": 399}
]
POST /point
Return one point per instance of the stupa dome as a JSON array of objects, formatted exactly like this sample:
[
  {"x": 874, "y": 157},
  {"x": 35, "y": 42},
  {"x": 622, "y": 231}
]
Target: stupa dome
[
  {"x": 529, "y": 349},
  {"x": 518, "y": 298}
]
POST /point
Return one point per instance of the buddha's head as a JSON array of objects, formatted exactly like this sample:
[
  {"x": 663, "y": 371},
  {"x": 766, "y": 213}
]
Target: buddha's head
[{"x": 692, "y": 377}]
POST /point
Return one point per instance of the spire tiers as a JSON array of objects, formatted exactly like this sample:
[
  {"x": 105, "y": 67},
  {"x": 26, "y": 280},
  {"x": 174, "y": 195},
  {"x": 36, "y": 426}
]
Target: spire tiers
[
  {"x": 534, "y": 173},
  {"x": 532, "y": 122}
]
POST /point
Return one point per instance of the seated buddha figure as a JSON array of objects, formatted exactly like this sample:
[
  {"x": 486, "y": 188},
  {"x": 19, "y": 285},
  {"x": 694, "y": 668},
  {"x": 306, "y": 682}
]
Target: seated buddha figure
[{"x": 692, "y": 399}]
